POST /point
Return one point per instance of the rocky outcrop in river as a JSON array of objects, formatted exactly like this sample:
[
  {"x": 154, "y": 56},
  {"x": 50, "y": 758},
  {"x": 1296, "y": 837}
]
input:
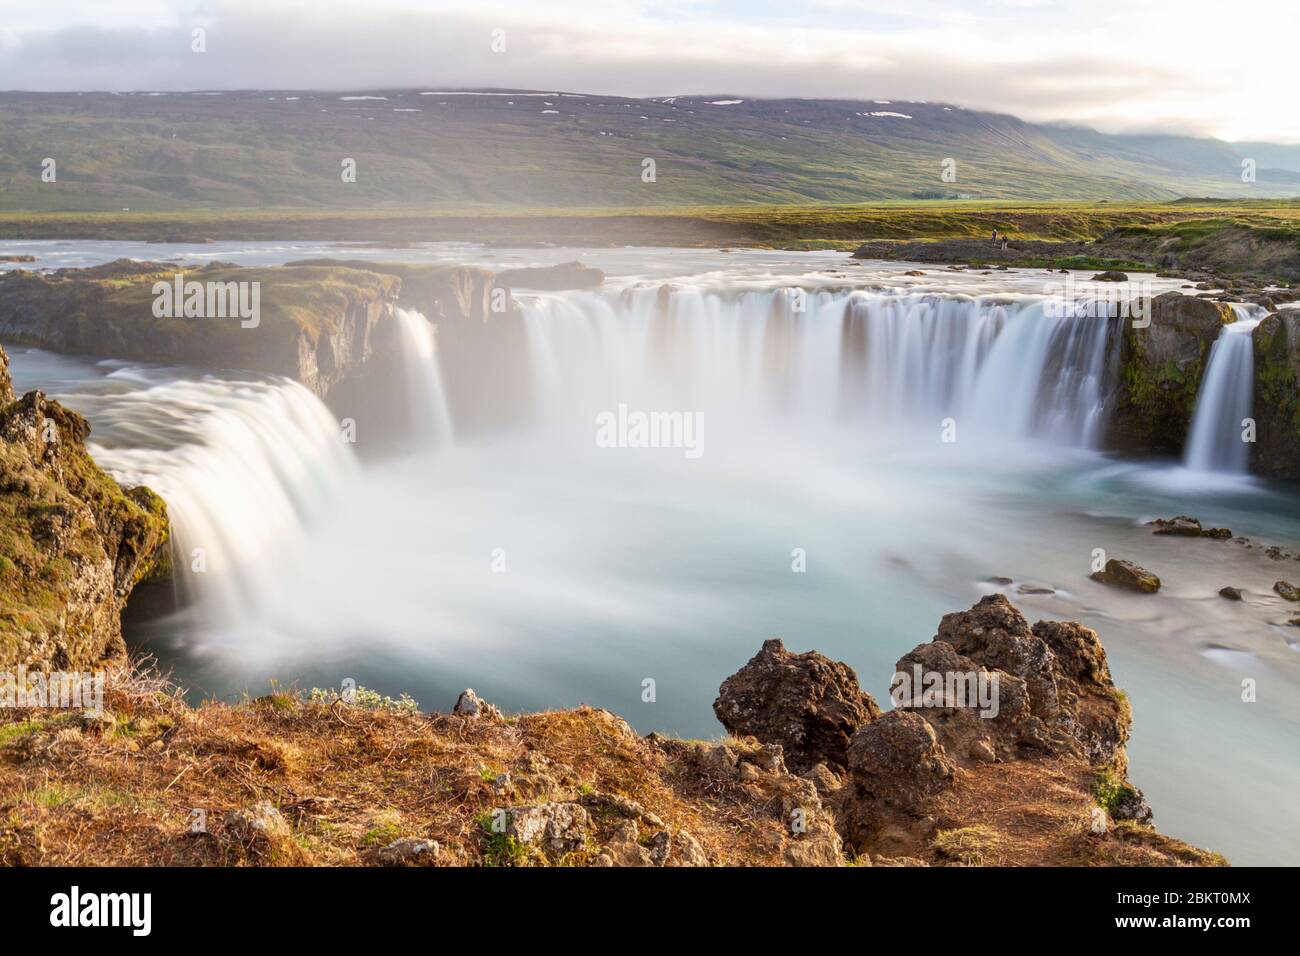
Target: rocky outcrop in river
[
  {"x": 1277, "y": 395},
  {"x": 313, "y": 324},
  {"x": 809, "y": 705},
  {"x": 1161, "y": 365},
  {"x": 480, "y": 334},
  {"x": 326, "y": 323},
  {"x": 73, "y": 543}
]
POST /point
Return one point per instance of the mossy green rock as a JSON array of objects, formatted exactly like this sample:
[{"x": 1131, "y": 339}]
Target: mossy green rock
[
  {"x": 314, "y": 325},
  {"x": 73, "y": 543},
  {"x": 1277, "y": 395},
  {"x": 1161, "y": 366}
]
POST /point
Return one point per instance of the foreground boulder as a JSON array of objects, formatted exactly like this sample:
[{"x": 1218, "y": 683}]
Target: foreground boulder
[
  {"x": 925, "y": 780},
  {"x": 1006, "y": 745},
  {"x": 807, "y": 703},
  {"x": 896, "y": 764},
  {"x": 79, "y": 543},
  {"x": 1015, "y": 691}
]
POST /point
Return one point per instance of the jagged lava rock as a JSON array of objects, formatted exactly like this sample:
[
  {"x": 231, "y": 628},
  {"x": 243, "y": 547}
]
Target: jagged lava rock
[
  {"x": 807, "y": 703},
  {"x": 1051, "y": 685},
  {"x": 898, "y": 761}
]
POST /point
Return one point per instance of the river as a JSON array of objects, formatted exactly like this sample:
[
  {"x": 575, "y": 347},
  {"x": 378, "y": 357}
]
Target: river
[{"x": 874, "y": 448}]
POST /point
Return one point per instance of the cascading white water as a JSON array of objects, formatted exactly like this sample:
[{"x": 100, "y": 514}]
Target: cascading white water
[
  {"x": 247, "y": 464},
  {"x": 432, "y": 423},
  {"x": 1225, "y": 399},
  {"x": 630, "y": 564},
  {"x": 243, "y": 467},
  {"x": 1006, "y": 367}
]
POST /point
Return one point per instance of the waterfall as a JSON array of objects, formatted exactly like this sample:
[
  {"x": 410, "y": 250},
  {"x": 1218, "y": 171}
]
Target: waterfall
[
  {"x": 1005, "y": 367},
  {"x": 431, "y": 417},
  {"x": 1225, "y": 398},
  {"x": 244, "y": 468},
  {"x": 247, "y": 467}
]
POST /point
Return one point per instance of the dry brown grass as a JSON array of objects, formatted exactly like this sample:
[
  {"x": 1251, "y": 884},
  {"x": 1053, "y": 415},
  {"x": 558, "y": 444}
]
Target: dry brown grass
[
  {"x": 348, "y": 780},
  {"x": 1039, "y": 813}
]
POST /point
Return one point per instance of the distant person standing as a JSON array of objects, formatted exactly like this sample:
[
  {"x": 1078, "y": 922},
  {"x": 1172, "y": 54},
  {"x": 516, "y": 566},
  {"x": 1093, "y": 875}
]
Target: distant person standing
[{"x": 995, "y": 233}]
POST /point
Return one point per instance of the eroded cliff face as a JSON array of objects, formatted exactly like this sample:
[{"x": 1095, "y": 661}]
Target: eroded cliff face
[
  {"x": 1160, "y": 372},
  {"x": 73, "y": 543},
  {"x": 313, "y": 324},
  {"x": 1277, "y": 395},
  {"x": 481, "y": 342}
]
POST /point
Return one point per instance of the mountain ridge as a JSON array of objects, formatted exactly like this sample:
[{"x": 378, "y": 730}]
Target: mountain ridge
[{"x": 503, "y": 148}]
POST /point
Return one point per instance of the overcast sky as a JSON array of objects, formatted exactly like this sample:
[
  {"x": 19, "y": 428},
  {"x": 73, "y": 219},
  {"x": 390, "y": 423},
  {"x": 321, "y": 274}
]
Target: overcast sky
[{"x": 1190, "y": 66}]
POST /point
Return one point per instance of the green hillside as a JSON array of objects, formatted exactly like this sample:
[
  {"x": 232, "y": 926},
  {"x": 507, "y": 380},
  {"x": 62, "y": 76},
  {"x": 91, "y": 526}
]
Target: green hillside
[{"x": 437, "y": 149}]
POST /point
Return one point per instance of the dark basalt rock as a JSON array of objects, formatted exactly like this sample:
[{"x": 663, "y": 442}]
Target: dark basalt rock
[
  {"x": 898, "y": 761},
  {"x": 1054, "y": 698},
  {"x": 807, "y": 703}
]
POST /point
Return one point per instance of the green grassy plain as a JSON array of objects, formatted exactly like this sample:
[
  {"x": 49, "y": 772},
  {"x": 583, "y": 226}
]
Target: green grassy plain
[{"x": 784, "y": 226}]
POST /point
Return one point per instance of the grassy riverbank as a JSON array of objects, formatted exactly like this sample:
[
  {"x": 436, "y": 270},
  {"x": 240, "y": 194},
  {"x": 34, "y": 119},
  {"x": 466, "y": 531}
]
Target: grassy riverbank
[{"x": 782, "y": 226}]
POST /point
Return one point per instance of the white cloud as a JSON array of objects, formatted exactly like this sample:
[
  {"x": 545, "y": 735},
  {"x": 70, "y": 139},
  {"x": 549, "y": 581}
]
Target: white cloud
[{"x": 1179, "y": 65}]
